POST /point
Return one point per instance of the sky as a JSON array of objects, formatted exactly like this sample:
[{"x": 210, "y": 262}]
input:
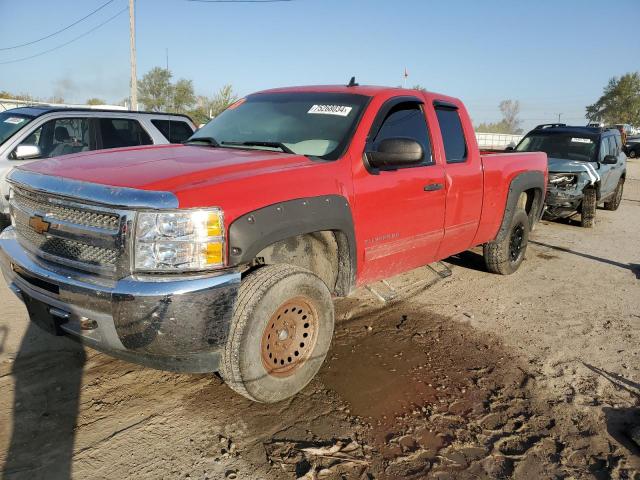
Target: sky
[{"x": 553, "y": 56}]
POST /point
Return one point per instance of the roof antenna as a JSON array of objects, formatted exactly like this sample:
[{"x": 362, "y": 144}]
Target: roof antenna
[{"x": 352, "y": 82}]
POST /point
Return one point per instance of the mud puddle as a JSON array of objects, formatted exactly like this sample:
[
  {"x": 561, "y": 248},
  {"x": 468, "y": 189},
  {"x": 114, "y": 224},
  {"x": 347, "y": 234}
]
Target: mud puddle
[{"x": 437, "y": 399}]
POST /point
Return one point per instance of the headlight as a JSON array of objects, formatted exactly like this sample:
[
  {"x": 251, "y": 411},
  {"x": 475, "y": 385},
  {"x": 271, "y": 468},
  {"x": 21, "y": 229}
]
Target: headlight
[
  {"x": 563, "y": 180},
  {"x": 179, "y": 241}
]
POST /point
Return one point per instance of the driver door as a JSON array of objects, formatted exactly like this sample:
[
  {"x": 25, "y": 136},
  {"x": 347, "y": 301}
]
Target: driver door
[{"x": 400, "y": 212}]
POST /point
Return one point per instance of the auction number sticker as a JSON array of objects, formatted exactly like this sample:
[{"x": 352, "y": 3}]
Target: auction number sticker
[
  {"x": 14, "y": 120},
  {"x": 339, "y": 110},
  {"x": 581, "y": 140}
]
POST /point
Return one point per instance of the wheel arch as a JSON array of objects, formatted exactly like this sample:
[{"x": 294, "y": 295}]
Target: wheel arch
[
  {"x": 299, "y": 232},
  {"x": 532, "y": 185}
]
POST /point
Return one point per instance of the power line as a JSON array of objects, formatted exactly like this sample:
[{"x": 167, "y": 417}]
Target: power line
[
  {"x": 67, "y": 43},
  {"x": 239, "y": 1},
  {"x": 61, "y": 30}
]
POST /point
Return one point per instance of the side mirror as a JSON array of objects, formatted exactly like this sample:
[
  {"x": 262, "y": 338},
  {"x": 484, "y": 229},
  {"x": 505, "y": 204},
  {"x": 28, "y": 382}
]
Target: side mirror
[
  {"x": 510, "y": 148},
  {"x": 396, "y": 152},
  {"x": 610, "y": 160},
  {"x": 26, "y": 152}
]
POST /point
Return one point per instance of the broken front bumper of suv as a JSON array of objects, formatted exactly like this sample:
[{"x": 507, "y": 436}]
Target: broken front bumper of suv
[{"x": 178, "y": 324}]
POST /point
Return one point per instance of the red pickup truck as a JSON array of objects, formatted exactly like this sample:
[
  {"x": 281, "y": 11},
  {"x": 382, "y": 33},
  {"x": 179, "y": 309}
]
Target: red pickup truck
[{"x": 223, "y": 254}]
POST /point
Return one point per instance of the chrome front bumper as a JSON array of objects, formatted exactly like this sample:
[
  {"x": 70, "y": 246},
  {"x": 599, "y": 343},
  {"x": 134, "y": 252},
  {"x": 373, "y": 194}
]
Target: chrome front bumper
[{"x": 171, "y": 324}]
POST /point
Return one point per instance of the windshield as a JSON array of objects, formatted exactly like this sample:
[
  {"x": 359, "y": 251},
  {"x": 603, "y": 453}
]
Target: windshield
[
  {"x": 313, "y": 124},
  {"x": 567, "y": 146},
  {"x": 10, "y": 123}
]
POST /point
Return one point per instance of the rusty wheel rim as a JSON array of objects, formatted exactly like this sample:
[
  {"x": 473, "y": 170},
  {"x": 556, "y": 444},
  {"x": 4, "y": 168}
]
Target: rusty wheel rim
[{"x": 290, "y": 337}]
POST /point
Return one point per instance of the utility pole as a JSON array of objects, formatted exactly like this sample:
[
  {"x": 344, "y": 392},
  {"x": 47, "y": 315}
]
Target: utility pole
[
  {"x": 132, "y": 54},
  {"x": 559, "y": 118}
]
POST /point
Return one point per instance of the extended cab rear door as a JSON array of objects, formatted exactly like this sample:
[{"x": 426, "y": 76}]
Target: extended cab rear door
[
  {"x": 400, "y": 211},
  {"x": 464, "y": 178}
]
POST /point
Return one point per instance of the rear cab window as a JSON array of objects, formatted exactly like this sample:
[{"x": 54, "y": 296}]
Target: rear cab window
[
  {"x": 455, "y": 144},
  {"x": 175, "y": 131}
]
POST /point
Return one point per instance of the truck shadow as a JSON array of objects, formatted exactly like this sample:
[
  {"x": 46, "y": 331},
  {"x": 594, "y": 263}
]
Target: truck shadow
[
  {"x": 621, "y": 421},
  {"x": 469, "y": 259},
  {"x": 47, "y": 372}
]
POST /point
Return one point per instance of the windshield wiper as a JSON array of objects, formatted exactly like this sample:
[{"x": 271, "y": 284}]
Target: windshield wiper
[
  {"x": 209, "y": 140},
  {"x": 279, "y": 145}
]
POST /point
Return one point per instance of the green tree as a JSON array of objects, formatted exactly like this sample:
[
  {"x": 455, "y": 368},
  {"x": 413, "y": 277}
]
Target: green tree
[
  {"x": 95, "y": 101},
  {"x": 157, "y": 93},
  {"x": 183, "y": 96},
  {"x": 210, "y": 107},
  {"x": 510, "y": 122},
  {"x": 619, "y": 103},
  {"x": 155, "y": 90},
  {"x": 419, "y": 87}
]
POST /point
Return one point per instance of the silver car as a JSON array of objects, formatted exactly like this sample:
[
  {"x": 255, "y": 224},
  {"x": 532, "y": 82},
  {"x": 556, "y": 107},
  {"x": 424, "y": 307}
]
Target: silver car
[{"x": 32, "y": 133}]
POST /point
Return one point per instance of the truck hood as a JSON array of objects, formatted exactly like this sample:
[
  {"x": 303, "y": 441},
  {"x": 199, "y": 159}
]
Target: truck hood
[
  {"x": 170, "y": 168},
  {"x": 561, "y": 165}
]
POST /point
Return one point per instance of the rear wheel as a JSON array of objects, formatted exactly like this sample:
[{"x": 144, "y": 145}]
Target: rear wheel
[
  {"x": 633, "y": 154},
  {"x": 588, "y": 209},
  {"x": 505, "y": 256},
  {"x": 280, "y": 333},
  {"x": 616, "y": 199}
]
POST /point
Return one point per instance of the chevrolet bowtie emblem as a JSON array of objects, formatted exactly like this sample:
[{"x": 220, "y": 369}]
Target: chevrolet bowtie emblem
[{"x": 39, "y": 224}]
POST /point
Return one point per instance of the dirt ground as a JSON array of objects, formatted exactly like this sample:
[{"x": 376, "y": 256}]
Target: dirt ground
[{"x": 535, "y": 375}]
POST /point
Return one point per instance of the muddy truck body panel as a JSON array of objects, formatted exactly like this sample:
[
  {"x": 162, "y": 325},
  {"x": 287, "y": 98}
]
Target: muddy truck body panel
[{"x": 148, "y": 253}]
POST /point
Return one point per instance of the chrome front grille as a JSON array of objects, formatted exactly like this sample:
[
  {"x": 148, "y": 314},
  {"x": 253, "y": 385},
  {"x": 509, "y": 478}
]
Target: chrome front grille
[
  {"x": 68, "y": 249},
  {"x": 71, "y": 233},
  {"x": 36, "y": 202}
]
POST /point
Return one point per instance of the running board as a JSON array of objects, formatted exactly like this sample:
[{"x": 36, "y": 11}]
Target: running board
[{"x": 409, "y": 283}]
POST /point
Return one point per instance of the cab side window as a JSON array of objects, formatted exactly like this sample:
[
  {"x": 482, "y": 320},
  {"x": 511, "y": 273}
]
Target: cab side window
[
  {"x": 407, "y": 120},
  {"x": 62, "y": 136},
  {"x": 122, "y": 132},
  {"x": 613, "y": 146},
  {"x": 455, "y": 145}
]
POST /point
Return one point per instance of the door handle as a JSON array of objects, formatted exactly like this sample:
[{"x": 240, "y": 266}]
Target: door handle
[{"x": 432, "y": 187}]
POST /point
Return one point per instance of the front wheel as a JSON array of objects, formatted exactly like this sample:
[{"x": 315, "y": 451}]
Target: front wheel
[
  {"x": 280, "y": 333},
  {"x": 615, "y": 201},
  {"x": 633, "y": 154},
  {"x": 588, "y": 208},
  {"x": 505, "y": 256}
]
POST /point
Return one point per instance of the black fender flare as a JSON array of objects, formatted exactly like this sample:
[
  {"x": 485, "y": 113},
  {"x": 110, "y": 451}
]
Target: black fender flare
[
  {"x": 520, "y": 183},
  {"x": 252, "y": 232}
]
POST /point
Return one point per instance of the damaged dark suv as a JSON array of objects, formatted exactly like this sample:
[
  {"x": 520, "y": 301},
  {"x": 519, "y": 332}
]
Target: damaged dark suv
[{"x": 587, "y": 167}]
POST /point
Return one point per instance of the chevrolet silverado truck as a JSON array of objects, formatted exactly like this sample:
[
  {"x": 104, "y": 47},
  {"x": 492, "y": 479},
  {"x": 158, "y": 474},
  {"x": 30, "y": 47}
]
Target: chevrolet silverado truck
[
  {"x": 223, "y": 254},
  {"x": 587, "y": 167}
]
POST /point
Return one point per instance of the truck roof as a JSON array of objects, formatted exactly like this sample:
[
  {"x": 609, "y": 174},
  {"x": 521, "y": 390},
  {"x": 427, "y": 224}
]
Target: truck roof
[{"x": 368, "y": 90}]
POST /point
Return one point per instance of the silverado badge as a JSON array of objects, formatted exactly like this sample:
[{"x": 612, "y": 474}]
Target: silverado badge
[{"x": 39, "y": 224}]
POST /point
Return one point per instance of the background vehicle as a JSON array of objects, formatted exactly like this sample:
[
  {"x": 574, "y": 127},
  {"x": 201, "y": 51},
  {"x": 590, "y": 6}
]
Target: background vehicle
[
  {"x": 224, "y": 254},
  {"x": 587, "y": 167},
  {"x": 32, "y": 133},
  {"x": 632, "y": 147}
]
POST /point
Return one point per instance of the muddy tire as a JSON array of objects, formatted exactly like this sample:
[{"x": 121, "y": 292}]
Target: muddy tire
[
  {"x": 280, "y": 333},
  {"x": 5, "y": 221},
  {"x": 505, "y": 256},
  {"x": 616, "y": 199},
  {"x": 588, "y": 208}
]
